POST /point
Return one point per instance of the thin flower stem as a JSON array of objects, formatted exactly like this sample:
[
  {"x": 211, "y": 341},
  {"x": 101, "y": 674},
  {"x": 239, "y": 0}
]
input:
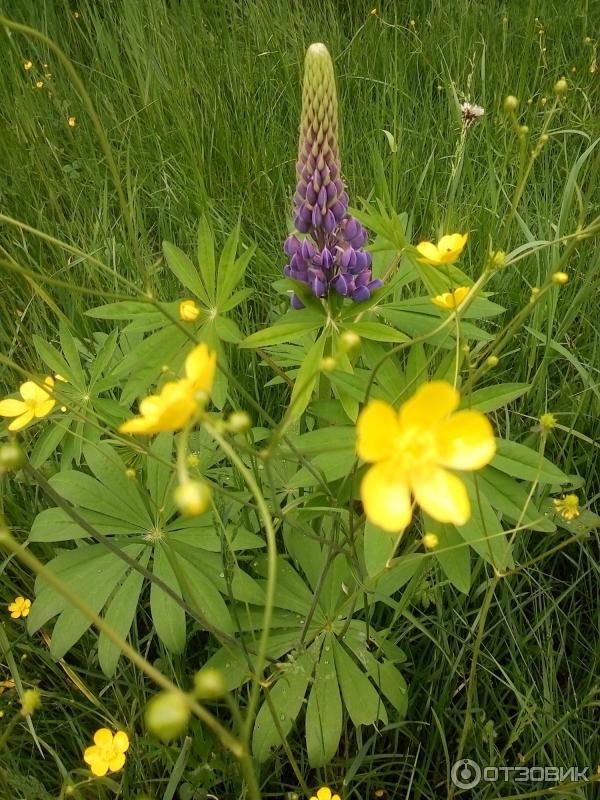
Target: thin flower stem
[{"x": 271, "y": 574}]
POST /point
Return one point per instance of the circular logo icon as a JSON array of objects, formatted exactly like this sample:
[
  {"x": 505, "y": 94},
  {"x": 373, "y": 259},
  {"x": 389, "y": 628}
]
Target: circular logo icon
[{"x": 465, "y": 773}]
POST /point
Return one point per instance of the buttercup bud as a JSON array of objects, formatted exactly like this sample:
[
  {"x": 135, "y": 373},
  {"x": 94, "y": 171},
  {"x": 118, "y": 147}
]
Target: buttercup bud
[
  {"x": 510, "y": 103},
  {"x": 11, "y": 457},
  {"x": 328, "y": 364},
  {"x": 209, "y": 684},
  {"x": 523, "y": 130},
  {"x": 492, "y": 361},
  {"x": 430, "y": 541},
  {"x": 560, "y": 278},
  {"x": 167, "y": 715},
  {"x": 349, "y": 341},
  {"x": 499, "y": 259},
  {"x": 189, "y": 311},
  {"x": 192, "y": 498},
  {"x": 560, "y": 87},
  {"x": 547, "y": 422},
  {"x": 239, "y": 422},
  {"x": 30, "y": 701}
]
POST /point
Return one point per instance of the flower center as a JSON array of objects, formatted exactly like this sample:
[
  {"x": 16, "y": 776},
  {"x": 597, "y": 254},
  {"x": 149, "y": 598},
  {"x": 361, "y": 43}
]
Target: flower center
[{"x": 415, "y": 448}]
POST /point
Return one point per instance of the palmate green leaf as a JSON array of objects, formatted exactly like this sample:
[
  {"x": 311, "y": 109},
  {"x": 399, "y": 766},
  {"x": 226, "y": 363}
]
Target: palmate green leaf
[
  {"x": 378, "y": 546},
  {"x": 202, "y": 594},
  {"x": 308, "y": 553},
  {"x": 483, "y": 530},
  {"x": 292, "y": 592},
  {"x": 56, "y": 525},
  {"x": 104, "y": 354},
  {"x": 71, "y": 353},
  {"x": 124, "y": 309},
  {"x": 206, "y": 257},
  {"x": 168, "y": 617},
  {"x": 362, "y": 702},
  {"x": 283, "y": 331},
  {"x": 91, "y": 572},
  {"x": 400, "y": 572},
  {"x": 232, "y": 663},
  {"x": 492, "y": 397},
  {"x": 47, "y": 443},
  {"x": 324, "y": 710},
  {"x": 120, "y": 614},
  {"x": 159, "y": 472},
  {"x": 55, "y": 361},
  {"x": 227, "y": 330},
  {"x": 306, "y": 379},
  {"x": 109, "y": 469},
  {"x": 479, "y": 308},
  {"x": 418, "y": 324},
  {"x": 185, "y": 272},
  {"x": 522, "y": 462},
  {"x": 287, "y": 697},
  {"x": 390, "y": 379},
  {"x": 377, "y": 331}
]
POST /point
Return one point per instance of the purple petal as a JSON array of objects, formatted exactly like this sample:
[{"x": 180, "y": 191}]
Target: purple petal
[
  {"x": 307, "y": 250},
  {"x": 291, "y": 245},
  {"x": 329, "y": 221},
  {"x": 296, "y": 302},
  {"x": 301, "y": 225},
  {"x": 361, "y": 294},
  {"x": 376, "y": 284},
  {"x": 317, "y": 217},
  {"x": 341, "y": 286},
  {"x": 326, "y": 258}
]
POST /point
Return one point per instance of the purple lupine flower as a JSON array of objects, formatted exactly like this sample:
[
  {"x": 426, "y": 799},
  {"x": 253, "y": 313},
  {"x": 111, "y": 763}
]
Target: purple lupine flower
[{"x": 331, "y": 256}]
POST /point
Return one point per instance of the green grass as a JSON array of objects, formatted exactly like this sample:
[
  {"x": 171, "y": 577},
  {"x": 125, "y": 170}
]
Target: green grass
[{"x": 201, "y": 103}]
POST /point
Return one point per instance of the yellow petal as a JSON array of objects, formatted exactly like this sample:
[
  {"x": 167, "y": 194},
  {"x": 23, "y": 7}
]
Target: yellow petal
[
  {"x": 121, "y": 742},
  {"x": 466, "y": 441},
  {"x": 324, "y": 793},
  {"x": 376, "y": 427},
  {"x": 12, "y": 408},
  {"x": 460, "y": 294},
  {"x": 200, "y": 367},
  {"x": 103, "y": 737},
  {"x": 30, "y": 390},
  {"x": 20, "y": 422},
  {"x": 91, "y": 754},
  {"x": 442, "y": 300},
  {"x": 44, "y": 407},
  {"x": 116, "y": 763},
  {"x": 429, "y": 252},
  {"x": 441, "y": 495},
  {"x": 138, "y": 425},
  {"x": 99, "y": 768},
  {"x": 431, "y": 403},
  {"x": 451, "y": 246},
  {"x": 386, "y": 497}
]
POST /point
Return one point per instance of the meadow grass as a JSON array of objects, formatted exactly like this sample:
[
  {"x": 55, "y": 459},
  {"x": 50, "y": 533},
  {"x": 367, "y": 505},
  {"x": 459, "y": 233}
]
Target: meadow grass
[{"x": 200, "y": 102}]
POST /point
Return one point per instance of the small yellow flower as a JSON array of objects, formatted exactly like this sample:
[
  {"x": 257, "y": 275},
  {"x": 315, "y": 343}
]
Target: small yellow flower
[
  {"x": 37, "y": 402},
  {"x": 27, "y": 65},
  {"x": 446, "y": 251},
  {"x": 31, "y": 700},
  {"x": 189, "y": 311},
  {"x": 39, "y": 84},
  {"x": 547, "y": 422},
  {"x": 71, "y": 121},
  {"x": 178, "y": 401},
  {"x": 107, "y": 754},
  {"x": 567, "y": 507},
  {"x": 6, "y": 685},
  {"x": 19, "y": 607},
  {"x": 430, "y": 541},
  {"x": 451, "y": 300},
  {"x": 324, "y": 793},
  {"x": 410, "y": 450}
]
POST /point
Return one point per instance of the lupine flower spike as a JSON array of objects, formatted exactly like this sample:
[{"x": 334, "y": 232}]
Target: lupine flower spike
[{"x": 331, "y": 256}]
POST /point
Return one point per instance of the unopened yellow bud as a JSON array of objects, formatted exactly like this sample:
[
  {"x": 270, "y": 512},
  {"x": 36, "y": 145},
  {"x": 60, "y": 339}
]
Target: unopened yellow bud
[
  {"x": 492, "y": 361},
  {"x": 192, "y": 498},
  {"x": 30, "y": 701},
  {"x": 189, "y": 311},
  {"x": 130, "y": 473},
  {"x": 534, "y": 293},
  {"x": 510, "y": 104},
  {"x": 560, "y": 278},
  {"x": 523, "y": 130},
  {"x": 547, "y": 422},
  {"x": 560, "y": 87},
  {"x": 430, "y": 541},
  {"x": 499, "y": 259},
  {"x": 167, "y": 715}
]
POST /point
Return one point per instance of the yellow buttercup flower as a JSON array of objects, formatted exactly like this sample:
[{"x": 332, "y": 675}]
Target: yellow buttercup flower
[
  {"x": 27, "y": 65},
  {"x": 324, "y": 793},
  {"x": 19, "y": 607},
  {"x": 39, "y": 84},
  {"x": 451, "y": 300},
  {"x": 37, "y": 402},
  {"x": 446, "y": 251},
  {"x": 107, "y": 754},
  {"x": 568, "y": 507},
  {"x": 71, "y": 121},
  {"x": 189, "y": 311},
  {"x": 410, "y": 450},
  {"x": 178, "y": 401}
]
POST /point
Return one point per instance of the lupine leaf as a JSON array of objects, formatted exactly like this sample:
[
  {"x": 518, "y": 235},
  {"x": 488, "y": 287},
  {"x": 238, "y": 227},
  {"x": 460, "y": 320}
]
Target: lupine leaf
[
  {"x": 362, "y": 702},
  {"x": 183, "y": 269},
  {"x": 324, "y": 710}
]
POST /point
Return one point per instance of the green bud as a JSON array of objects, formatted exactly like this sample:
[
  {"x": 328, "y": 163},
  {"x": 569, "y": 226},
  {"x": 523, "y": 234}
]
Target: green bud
[
  {"x": 192, "y": 498},
  {"x": 560, "y": 87},
  {"x": 510, "y": 104},
  {"x": 167, "y": 715},
  {"x": 11, "y": 457},
  {"x": 349, "y": 341},
  {"x": 209, "y": 684},
  {"x": 239, "y": 422}
]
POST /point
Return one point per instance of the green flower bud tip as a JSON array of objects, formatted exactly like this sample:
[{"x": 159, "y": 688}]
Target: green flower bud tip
[
  {"x": 349, "y": 341},
  {"x": 209, "y": 684},
  {"x": 560, "y": 87},
  {"x": 510, "y": 103},
  {"x": 167, "y": 715},
  {"x": 192, "y": 498},
  {"x": 11, "y": 457},
  {"x": 239, "y": 422}
]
